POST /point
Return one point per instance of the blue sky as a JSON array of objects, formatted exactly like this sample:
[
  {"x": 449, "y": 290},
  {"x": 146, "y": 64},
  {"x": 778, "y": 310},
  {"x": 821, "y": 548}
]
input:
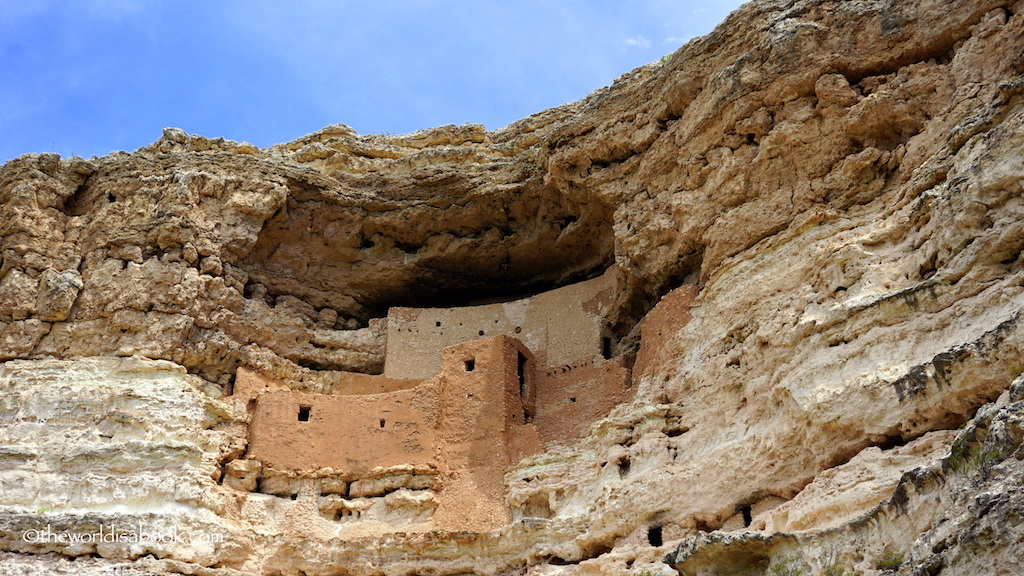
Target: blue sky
[{"x": 87, "y": 77}]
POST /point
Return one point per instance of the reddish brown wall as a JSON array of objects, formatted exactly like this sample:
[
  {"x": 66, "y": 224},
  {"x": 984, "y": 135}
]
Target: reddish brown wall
[
  {"x": 670, "y": 315},
  {"x": 480, "y": 407},
  {"x": 482, "y": 431},
  {"x": 470, "y": 424},
  {"x": 350, "y": 433},
  {"x": 351, "y": 383},
  {"x": 571, "y": 398},
  {"x": 249, "y": 384}
]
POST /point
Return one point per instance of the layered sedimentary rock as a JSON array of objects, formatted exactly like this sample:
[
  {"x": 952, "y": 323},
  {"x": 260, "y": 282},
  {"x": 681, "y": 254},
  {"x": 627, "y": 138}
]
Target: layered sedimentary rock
[{"x": 814, "y": 220}]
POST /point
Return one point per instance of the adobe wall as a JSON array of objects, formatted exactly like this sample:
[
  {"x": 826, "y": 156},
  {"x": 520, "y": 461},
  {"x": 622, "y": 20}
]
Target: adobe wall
[
  {"x": 571, "y": 398},
  {"x": 484, "y": 408},
  {"x": 566, "y": 324},
  {"x": 468, "y": 423},
  {"x": 492, "y": 403},
  {"x": 353, "y": 434},
  {"x": 661, "y": 324},
  {"x": 483, "y": 399},
  {"x": 354, "y": 383}
]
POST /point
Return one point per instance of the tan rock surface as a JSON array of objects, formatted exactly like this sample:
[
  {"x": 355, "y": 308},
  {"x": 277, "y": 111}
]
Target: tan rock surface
[
  {"x": 833, "y": 189},
  {"x": 958, "y": 514},
  {"x": 838, "y": 495}
]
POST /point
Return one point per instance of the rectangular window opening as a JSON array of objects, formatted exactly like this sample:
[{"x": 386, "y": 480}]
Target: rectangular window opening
[
  {"x": 521, "y": 371},
  {"x": 470, "y": 365},
  {"x": 304, "y": 412}
]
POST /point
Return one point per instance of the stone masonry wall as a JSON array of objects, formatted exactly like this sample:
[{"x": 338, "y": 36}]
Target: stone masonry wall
[{"x": 566, "y": 323}]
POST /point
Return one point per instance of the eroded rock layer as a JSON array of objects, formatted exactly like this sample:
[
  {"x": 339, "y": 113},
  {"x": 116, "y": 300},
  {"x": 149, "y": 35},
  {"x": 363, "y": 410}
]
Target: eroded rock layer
[{"x": 814, "y": 217}]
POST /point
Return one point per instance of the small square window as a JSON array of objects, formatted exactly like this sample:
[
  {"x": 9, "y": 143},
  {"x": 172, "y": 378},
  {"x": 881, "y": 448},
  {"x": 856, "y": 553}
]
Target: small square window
[
  {"x": 470, "y": 365},
  {"x": 304, "y": 412}
]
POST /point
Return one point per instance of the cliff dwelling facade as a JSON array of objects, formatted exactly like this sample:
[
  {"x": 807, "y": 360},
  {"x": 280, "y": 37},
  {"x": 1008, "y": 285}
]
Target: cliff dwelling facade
[{"x": 466, "y": 392}]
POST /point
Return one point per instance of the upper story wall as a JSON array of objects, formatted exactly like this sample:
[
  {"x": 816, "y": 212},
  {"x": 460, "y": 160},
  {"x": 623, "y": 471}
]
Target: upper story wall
[
  {"x": 571, "y": 398},
  {"x": 560, "y": 327}
]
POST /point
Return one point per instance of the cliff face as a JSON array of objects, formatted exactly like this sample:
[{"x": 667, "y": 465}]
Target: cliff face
[{"x": 824, "y": 196}]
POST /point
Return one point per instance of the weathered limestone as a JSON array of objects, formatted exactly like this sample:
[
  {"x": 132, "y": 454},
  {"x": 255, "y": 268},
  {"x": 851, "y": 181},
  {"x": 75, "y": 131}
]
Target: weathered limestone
[
  {"x": 113, "y": 444},
  {"x": 955, "y": 513},
  {"x": 838, "y": 495}
]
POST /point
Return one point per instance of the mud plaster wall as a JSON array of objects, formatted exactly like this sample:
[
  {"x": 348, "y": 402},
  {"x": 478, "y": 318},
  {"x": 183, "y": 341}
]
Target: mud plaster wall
[
  {"x": 464, "y": 417},
  {"x": 353, "y": 434},
  {"x": 357, "y": 383},
  {"x": 481, "y": 403},
  {"x": 570, "y": 398},
  {"x": 249, "y": 384},
  {"x": 661, "y": 324},
  {"x": 482, "y": 430},
  {"x": 565, "y": 324},
  {"x": 492, "y": 404}
]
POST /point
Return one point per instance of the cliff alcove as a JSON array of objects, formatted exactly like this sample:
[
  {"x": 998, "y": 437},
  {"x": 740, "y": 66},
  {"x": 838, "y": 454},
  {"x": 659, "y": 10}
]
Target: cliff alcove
[{"x": 754, "y": 308}]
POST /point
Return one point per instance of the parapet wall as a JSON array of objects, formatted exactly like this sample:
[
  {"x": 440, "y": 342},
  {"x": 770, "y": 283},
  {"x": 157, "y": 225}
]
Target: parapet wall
[
  {"x": 249, "y": 384},
  {"x": 564, "y": 325}
]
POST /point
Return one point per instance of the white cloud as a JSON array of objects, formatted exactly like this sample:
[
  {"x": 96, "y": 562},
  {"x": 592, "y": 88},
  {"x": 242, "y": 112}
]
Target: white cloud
[{"x": 638, "y": 42}]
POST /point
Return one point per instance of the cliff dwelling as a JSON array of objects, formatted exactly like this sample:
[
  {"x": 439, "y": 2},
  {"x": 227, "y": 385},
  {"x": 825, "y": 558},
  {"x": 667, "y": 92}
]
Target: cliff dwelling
[
  {"x": 465, "y": 393},
  {"x": 762, "y": 313}
]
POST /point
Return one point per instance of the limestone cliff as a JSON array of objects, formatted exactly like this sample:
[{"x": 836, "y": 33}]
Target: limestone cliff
[{"x": 814, "y": 216}]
